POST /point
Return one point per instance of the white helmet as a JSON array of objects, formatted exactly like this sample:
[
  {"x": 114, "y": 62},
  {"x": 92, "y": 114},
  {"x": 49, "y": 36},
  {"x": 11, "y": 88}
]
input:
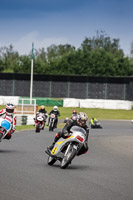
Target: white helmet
[
  {"x": 55, "y": 108},
  {"x": 9, "y": 109},
  {"x": 82, "y": 118}
]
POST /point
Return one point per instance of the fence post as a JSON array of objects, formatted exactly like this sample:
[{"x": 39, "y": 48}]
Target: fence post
[
  {"x": 124, "y": 92},
  {"x": 87, "y": 90},
  {"x": 50, "y": 88},
  {"x": 68, "y": 89},
  {"x": 106, "y": 90},
  {"x": 13, "y": 86}
]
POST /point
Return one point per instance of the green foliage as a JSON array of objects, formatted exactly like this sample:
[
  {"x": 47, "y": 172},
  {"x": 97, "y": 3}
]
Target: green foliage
[{"x": 97, "y": 56}]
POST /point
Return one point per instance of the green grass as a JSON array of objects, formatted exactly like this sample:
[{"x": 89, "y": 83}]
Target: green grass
[
  {"x": 101, "y": 114},
  {"x": 94, "y": 112},
  {"x": 24, "y": 127},
  {"x": 98, "y": 113}
]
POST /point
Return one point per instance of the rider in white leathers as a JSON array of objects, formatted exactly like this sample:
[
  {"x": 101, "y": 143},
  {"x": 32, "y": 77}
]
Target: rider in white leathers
[{"x": 8, "y": 113}]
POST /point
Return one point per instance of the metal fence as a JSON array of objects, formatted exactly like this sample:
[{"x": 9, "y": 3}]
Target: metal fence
[{"x": 80, "y": 87}]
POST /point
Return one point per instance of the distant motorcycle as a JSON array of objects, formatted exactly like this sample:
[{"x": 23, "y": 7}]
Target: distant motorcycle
[
  {"x": 94, "y": 123},
  {"x": 5, "y": 127},
  {"x": 65, "y": 150},
  {"x": 40, "y": 122},
  {"x": 73, "y": 117},
  {"x": 52, "y": 120},
  {"x": 66, "y": 120}
]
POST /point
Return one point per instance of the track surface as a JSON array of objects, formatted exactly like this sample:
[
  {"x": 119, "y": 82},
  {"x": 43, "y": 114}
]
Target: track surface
[{"x": 104, "y": 173}]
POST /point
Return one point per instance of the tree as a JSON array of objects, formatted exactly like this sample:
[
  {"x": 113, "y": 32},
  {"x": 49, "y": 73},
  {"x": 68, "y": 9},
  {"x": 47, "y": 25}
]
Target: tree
[
  {"x": 9, "y": 58},
  {"x": 101, "y": 41}
]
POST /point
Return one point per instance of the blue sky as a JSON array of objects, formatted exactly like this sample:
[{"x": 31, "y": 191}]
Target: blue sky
[{"x": 47, "y": 22}]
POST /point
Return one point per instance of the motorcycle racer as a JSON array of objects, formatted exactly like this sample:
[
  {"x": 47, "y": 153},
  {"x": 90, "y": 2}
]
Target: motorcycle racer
[
  {"x": 94, "y": 122},
  {"x": 81, "y": 121},
  {"x": 56, "y": 112},
  {"x": 43, "y": 111},
  {"x": 8, "y": 113},
  {"x": 74, "y": 117},
  {"x": 74, "y": 112}
]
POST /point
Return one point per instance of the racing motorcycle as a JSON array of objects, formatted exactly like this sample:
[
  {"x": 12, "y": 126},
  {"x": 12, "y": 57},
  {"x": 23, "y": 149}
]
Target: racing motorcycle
[
  {"x": 65, "y": 150},
  {"x": 5, "y": 127},
  {"x": 94, "y": 123},
  {"x": 40, "y": 122},
  {"x": 73, "y": 117},
  {"x": 51, "y": 124},
  {"x": 66, "y": 120}
]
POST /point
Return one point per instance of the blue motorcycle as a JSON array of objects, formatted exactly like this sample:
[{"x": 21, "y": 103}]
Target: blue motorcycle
[{"x": 5, "y": 127}]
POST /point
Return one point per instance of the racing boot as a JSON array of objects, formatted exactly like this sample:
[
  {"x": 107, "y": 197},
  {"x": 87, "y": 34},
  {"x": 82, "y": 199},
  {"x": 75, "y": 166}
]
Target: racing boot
[{"x": 57, "y": 137}]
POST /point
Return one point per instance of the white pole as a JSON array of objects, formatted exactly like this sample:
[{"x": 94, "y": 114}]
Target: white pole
[{"x": 31, "y": 80}]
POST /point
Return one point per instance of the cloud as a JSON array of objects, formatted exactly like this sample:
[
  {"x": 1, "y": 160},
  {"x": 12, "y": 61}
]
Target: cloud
[{"x": 24, "y": 44}]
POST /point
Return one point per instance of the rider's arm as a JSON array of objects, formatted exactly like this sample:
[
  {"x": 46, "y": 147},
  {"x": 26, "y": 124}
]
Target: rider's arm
[
  {"x": 67, "y": 126},
  {"x": 46, "y": 114},
  {"x": 50, "y": 112},
  {"x": 2, "y": 112},
  {"x": 13, "y": 124},
  {"x": 58, "y": 113},
  {"x": 87, "y": 132}
]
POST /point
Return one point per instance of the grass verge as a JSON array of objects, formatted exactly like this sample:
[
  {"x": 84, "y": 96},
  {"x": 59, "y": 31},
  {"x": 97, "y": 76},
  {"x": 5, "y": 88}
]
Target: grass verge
[{"x": 101, "y": 114}]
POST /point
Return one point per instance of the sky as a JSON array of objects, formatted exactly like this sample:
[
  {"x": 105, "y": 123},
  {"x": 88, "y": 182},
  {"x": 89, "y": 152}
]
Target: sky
[{"x": 47, "y": 22}]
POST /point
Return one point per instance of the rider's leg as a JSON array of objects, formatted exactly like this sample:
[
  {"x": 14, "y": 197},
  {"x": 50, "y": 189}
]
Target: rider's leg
[{"x": 57, "y": 137}]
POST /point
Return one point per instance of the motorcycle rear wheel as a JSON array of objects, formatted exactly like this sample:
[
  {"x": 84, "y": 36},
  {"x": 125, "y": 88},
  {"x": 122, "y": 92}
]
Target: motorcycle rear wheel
[
  {"x": 51, "y": 160},
  {"x": 68, "y": 158}
]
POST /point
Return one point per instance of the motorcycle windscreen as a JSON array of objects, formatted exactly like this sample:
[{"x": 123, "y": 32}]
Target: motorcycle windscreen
[
  {"x": 5, "y": 124},
  {"x": 77, "y": 128}
]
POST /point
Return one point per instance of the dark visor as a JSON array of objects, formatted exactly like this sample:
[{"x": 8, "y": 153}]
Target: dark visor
[{"x": 9, "y": 110}]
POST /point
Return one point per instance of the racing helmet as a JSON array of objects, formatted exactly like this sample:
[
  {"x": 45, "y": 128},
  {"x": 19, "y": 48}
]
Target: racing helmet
[
  {"x": 9, "y": 109},
  {"x": 55, "y": 108},
  {"x": 42, "y": 107},
  {"x": 74, "y": 112},
  {"x": 82, "y": 118}
]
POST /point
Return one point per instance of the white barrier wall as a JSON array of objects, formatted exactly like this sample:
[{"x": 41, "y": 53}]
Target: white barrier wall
[
  {"x": 82, "y": 103},
  {"x": 9, "y": 99},
  {"x": 98, "y": 103},
  {"x": 71, "y": 102},
  {"x": 29, "y": 121}
]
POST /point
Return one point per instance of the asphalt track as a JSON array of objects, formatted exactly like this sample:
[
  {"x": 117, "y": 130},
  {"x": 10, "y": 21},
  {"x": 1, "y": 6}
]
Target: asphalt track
[{"x": 104, "y": 173}]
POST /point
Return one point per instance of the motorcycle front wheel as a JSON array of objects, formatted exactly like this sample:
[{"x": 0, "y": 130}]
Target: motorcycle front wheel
[
  {"x": 37, "y": 128},
  {"x": 68, "y": 158},
  {"x": 1, "y": 135},
  {"x": 51, "y": 127},
  {"x": 51, "y": 160}
]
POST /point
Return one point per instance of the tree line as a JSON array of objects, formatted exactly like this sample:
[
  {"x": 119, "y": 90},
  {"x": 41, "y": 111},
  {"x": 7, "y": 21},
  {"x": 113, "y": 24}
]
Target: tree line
[{"x": 97, "y": 56}]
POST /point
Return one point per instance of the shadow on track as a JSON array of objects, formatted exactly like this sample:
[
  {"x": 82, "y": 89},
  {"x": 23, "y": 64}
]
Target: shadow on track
[
  {"x": 70, "y": 167},
  {"x": 9, "y": 151}
]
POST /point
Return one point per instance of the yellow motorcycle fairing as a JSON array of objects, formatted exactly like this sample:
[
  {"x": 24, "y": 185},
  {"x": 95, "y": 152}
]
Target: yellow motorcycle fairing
[
  {"x": 55, "y": 148},
  {"x": 64, "y": 140}
]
